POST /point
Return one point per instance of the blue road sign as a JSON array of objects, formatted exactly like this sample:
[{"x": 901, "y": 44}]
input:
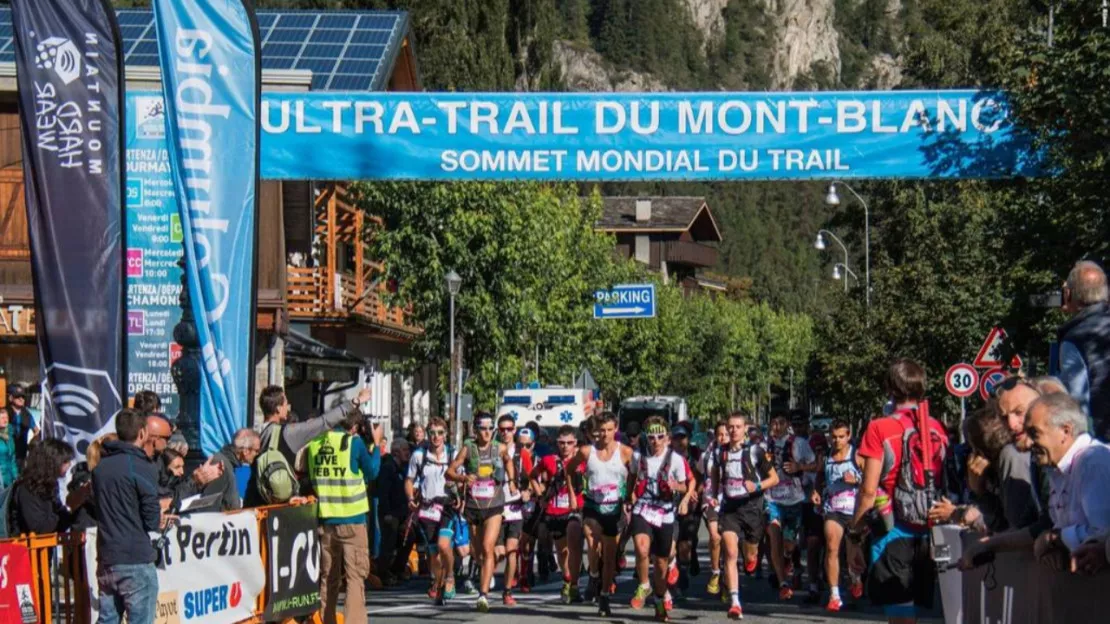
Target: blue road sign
[{"x": 625, "y": 301}]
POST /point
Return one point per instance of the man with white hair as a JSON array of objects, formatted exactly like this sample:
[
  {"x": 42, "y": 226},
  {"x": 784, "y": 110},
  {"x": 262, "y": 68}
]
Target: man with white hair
[
  {"x": 1085, "y": 344},
  {"x": 236, "y": 458},
  {"x": 1079, "y": 502}
]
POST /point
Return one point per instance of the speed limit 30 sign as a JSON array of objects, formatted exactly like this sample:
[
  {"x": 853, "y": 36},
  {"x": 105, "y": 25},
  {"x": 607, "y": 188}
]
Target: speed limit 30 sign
[{"x": 962, "y": 380}]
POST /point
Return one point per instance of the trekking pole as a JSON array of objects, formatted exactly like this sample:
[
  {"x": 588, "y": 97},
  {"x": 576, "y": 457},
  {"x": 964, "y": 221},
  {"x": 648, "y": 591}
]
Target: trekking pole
[{"x": 927, "y": 451}]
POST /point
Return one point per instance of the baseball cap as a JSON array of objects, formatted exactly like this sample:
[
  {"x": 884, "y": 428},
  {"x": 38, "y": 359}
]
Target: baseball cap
[
  {"x": 680, "y": 430},
  {"x": 17, "y": 391}
]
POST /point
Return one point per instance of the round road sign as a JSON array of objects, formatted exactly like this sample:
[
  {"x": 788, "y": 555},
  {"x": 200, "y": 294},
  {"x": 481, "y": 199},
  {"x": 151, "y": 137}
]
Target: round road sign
[
  {"x": 991, "y": 379},
  {"x": 962, "y": 380}
]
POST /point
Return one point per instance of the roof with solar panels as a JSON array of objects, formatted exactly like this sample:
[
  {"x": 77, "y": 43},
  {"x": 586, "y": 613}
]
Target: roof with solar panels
[{"x": 323, "y": 51}]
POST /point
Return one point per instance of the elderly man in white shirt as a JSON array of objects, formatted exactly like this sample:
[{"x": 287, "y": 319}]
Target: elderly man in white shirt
[{"x": 1079, "y": 503}]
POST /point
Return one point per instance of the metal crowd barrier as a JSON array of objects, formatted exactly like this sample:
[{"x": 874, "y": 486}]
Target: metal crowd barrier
[{"x": 59, "y": 574}]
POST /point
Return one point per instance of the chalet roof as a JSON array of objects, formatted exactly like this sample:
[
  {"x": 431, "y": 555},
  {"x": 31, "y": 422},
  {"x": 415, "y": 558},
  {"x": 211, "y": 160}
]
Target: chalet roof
[{"x": 668, "y": 214}]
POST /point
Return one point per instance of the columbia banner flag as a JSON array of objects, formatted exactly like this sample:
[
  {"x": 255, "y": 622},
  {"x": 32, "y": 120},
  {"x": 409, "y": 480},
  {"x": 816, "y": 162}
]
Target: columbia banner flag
[
  {"x": 211, "y": 79},
  {"x": 69, "y": 71}
]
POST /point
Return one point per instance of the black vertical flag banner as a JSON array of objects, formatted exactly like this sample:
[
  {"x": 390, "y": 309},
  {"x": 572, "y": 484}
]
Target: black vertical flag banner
[{"x": 69, "y": 69}]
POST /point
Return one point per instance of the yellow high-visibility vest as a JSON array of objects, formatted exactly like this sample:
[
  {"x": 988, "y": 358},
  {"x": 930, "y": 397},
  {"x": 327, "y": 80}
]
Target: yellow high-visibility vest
[{"x": 340, "y": 492}]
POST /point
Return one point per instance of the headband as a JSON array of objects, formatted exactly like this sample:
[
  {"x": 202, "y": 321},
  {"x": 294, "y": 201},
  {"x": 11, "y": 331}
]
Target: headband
[{"x": 657, "y": 429}]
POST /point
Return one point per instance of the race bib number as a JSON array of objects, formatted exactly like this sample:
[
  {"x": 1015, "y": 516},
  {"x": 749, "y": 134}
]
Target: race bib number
[
  {"x": 484, "y": 489},
  {"x": 609, "y": 493},
  {"x": 843, "y": 502},
  {"x": 513, "y": 513},
  {"x": 432, "y": 513},
  {"x": 562, "y": 501},
  {"x": 653, "y": 515},
  {"x": 735, "y": 488}
]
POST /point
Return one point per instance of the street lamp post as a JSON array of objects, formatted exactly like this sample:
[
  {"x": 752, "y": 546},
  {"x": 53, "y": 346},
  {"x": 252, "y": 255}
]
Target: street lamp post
[
  {"x": 837, "y": 275},
  {"x": 833, "y": 199},
  {"x": 454, "y": 283},
  {"x": 819, "y": 245}
]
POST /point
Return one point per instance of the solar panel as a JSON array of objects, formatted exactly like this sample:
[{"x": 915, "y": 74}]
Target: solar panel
[{"x": 345, "y": 50}]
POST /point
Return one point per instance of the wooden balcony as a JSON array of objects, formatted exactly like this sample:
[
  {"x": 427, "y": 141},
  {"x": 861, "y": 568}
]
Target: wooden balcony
[
  {"x": 354, "y": 293},
  {"x": 690, "y": 254}
]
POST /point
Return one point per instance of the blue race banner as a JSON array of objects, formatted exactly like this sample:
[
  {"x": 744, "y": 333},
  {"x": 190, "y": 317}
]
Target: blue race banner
[
  {"x": 209, "y": 56},
  {"x": 640, "y": 136},
  {"x": 154, "y": 237},
  {"x": 69, "y": 70}
]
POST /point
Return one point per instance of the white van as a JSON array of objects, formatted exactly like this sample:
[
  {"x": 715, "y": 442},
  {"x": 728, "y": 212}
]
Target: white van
[
  {"x": 550, "y": 407},
  {"x": 638, "y": 409}
]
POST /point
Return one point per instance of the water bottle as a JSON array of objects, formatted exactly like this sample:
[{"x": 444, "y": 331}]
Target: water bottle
[{"x": 886, "y": 510}]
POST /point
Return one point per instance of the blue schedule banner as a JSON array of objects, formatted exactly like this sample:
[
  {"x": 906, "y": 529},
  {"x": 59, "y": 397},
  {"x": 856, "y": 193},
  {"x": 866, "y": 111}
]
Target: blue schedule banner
[
  {"x": 154, "y": 238},
  {"x": 211, "y": 81},
  {"x": 637, "y": 136}
]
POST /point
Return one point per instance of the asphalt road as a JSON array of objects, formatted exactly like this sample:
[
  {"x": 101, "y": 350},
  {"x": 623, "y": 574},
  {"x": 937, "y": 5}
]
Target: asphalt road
[{"x": 410, "y": 604}]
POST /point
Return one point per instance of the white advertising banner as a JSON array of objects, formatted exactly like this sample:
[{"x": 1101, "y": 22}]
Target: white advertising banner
[{"x": 209, "y": 570}]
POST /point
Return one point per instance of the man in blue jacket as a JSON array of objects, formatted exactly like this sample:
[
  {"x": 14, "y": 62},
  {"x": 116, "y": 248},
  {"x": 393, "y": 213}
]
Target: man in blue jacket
[
  {"x": 125, "y": 487},
  {"x": 1085, "y": 345}
]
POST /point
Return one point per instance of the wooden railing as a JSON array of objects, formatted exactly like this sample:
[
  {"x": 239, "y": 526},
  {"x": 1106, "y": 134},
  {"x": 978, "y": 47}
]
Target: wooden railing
[
  {"x": 311, "y": 298},
  {"x": 693, "y": 254}
]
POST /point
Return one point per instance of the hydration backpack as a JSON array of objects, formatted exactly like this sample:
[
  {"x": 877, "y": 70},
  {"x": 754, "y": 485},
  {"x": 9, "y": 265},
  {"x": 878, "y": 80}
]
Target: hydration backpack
[
  {"x": 276, "y": 481},
  {"x": 665, "y": 493},
  {"x": 912, "y": 490}
]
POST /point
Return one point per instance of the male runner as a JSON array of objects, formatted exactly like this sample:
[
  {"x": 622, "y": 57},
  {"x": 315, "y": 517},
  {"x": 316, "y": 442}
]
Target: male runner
[
  {"x": 434, "y": 508},
  {"x": 813, "y": 525},
  {"x": 562, "y": 504},
  {"x": 688, "y": 520},
  {"x": 488, "y": 469},
  {"x": 661, "y": 476},
  {"x": 709, "y": 510},
  {"x": 792, "y": 457},
  {"x": 742, "y": 472},
  {"x": 512, "y": 522},
  {"x": 526, "y": 440},
  {"x": 609, "y": 475},
  {"x": 837, "y": 486}
]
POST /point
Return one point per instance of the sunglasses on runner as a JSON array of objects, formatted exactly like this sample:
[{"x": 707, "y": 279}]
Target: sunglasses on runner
[
  {"x": 485, "y": 428},
  {"x": 507, "y": 429},
  {"x": 656, "y": 437},
  {"x": 436, "y": 432}
]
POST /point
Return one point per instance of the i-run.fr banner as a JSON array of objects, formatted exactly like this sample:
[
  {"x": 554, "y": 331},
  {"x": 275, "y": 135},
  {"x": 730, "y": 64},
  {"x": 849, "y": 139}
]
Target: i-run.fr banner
[{"x": 638, "y": 136}]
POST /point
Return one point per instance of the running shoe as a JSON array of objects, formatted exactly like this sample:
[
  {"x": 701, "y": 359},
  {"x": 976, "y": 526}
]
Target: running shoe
[
  {"x": 507, "y": 599},
  {"x": 856, "y": 589},
  {"x": 640, "y": 597},
  {"x": 725, "y": 598},
  {"x": 786, "y": 592},
  {"x": 661, "y": 614},
  {"x": 834, "y": 605},
  {"x": 735, "y": 613},
  {"x": 483, "y": 604},
  {"x": 575, "y": 596},
  {"x": 672, "y": 574},
  {"x": 603, "y": 608},
  {"x": 449, "y": 592},
  {"x": 714, "y": 585},
  {"x": 668, "y": 603},
  {"x": 564, "y": 595},
  {"x": 468, "y": 587},
  {"x": 433, "y": 592},
  {"x": 440, "y": 600},
  {"x": 750, "y": 566}
]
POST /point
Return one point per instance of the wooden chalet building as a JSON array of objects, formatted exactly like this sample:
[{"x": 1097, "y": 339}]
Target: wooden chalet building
[{"x": 674, "y": 236}]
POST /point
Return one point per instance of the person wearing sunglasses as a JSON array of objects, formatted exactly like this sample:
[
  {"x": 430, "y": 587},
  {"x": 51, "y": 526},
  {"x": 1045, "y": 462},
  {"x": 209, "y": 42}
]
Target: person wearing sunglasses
[
  {"x": 525, "y": 460},
  {"x": 427, "y": 490},
  {"x": 561, "y": 504},
  {"x": 661, "y": 477},
  {"x": 516, "y": 496},
  {"x": 610, "y": 473},
  {"x": 484, "y": 467}
]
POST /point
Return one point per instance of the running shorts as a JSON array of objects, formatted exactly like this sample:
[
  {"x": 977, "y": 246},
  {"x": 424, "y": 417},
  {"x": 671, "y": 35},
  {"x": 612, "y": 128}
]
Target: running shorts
[
  {"x": 662, "y": 537},
  {"x": 788, "y": 517},
  {"x": 557, "y": 525},
  {"x": 903, "y": 573},
  {"x": 744, "y": 518},
  {"x": 610, "y": 523}
]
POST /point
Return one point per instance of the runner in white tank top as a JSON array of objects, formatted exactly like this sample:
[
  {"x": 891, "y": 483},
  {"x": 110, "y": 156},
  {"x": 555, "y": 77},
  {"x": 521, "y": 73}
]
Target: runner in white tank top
[{"x": 608, "y": 472}]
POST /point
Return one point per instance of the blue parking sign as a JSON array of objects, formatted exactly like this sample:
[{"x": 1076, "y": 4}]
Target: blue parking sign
[{"x": 625, "y": 301}]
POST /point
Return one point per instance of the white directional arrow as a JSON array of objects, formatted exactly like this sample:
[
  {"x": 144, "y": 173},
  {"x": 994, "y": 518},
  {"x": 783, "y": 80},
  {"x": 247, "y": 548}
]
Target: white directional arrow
[{"x": 636, "y": 310}]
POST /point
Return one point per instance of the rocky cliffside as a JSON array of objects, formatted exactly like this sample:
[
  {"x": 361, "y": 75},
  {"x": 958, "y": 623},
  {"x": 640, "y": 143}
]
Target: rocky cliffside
[{"x": 803, "y": 48}]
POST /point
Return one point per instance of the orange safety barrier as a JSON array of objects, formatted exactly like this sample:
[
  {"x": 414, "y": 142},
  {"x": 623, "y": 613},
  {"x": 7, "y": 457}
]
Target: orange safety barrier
[{"x": 60, "y": 576}]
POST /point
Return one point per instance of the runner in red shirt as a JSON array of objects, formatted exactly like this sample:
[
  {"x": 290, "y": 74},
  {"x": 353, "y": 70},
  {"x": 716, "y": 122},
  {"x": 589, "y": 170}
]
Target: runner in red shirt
[
  {"x": 902, "y": 576},
  {"x": 561, "y": 501}
]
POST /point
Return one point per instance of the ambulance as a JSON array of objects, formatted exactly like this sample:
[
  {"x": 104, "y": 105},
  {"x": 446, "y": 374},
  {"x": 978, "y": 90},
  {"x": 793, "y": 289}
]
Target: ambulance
[{"x": 550, "y": 407}]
